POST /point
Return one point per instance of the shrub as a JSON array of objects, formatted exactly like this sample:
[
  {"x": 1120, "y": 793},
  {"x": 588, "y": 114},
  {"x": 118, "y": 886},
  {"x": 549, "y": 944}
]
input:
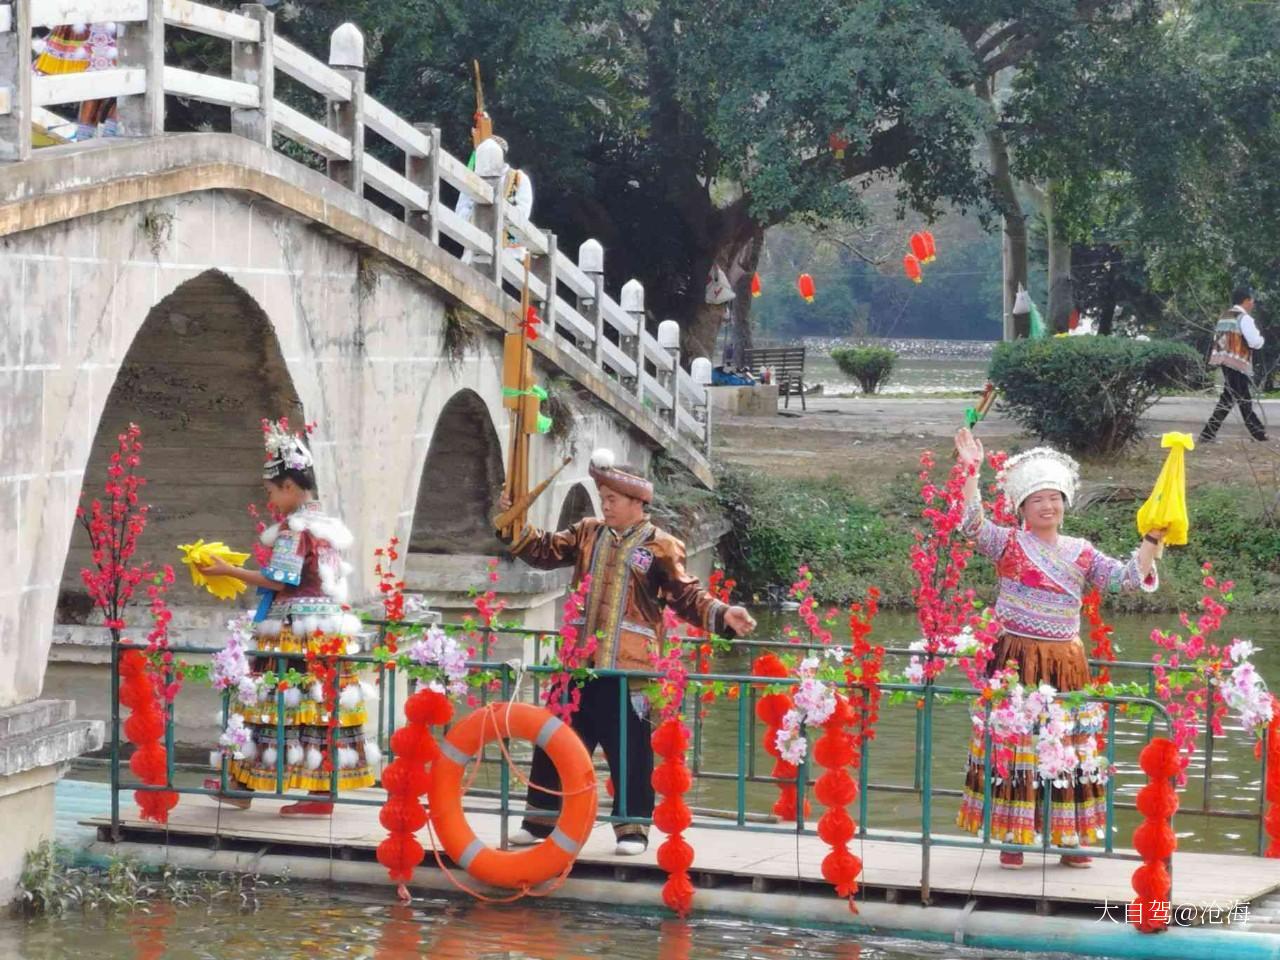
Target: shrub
[
  {"x": 848, "y": 542},
  {"x": 1087, "y": 394},
  {"x": 870, "y": 366}
]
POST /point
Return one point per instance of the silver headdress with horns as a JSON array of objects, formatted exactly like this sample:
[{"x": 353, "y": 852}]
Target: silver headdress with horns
[
  {"x": 285, "y": 450},
  {"x": 1041, "y": 468}
]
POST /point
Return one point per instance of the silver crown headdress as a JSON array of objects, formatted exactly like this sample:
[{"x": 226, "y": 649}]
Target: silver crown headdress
[
  {"x": 1041, "y": 468},
  {"x": 285, "y": 450}
]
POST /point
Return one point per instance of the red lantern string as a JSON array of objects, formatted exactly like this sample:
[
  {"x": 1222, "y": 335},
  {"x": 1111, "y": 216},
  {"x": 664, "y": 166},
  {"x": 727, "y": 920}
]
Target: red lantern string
[
  {"x": 406, "y": 778},
  {"x": 144, "y": 728},
  {"x": 672, "y": 780},
  {"x": 770, "y": 709},
  {"x": 835, "y": 789},
  {"x": 1154, "y": 838},
  {"x": 1272, "y": 820}
]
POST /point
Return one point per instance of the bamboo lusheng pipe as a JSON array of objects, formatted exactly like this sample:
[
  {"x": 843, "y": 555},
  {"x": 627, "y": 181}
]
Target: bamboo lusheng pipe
[
  {"x": 517, "y": 485},
  {"x": 521, "y": 506},
  {"x": 482, "y": 125}
]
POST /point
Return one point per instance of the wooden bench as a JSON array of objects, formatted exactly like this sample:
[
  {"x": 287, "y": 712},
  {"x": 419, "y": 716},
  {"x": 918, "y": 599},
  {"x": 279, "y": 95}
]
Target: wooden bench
[{"x": 788, "y": 369}]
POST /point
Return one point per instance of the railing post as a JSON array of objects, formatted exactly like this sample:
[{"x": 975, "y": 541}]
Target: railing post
[
  {"x": 424, "y": 172},
  {"x": 591, "y": 262},
  {"x": 700, "y": 374},
  {"x": 491, "y": 166},
  {"x": 141, "y": 46},
  {"x": 346, "y": 55},
  {"x": 669, "y": 340},
  {"x": 15, "y": 80},
  {"x": 256, "y": 63},
  {"x": 544, "y": 268},
  {"x": 632, "y": 301}
]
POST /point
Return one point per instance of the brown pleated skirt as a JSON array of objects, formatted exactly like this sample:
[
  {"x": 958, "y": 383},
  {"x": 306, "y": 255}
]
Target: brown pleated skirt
[{"x": 1077, "y": 815}]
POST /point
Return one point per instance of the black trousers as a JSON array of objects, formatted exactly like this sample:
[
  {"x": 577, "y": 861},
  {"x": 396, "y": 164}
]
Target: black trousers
[
  {"x": 597, "y": 722},
  {"x": 1235, "y": 392}
]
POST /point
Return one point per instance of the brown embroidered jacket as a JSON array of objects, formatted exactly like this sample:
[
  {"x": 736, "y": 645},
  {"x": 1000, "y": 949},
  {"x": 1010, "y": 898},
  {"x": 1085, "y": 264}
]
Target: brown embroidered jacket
[{"x": 634, "y": 575}]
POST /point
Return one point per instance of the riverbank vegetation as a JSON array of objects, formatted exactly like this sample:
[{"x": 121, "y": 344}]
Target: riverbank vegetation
[{"x": 853, "y": 536}]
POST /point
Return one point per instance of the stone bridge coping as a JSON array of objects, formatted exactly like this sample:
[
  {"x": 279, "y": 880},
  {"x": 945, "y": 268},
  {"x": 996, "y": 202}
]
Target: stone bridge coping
[{"x": 64, "y": 183}]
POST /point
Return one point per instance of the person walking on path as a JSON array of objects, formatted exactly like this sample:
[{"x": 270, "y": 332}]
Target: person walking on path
[{"x": 1235, "y": 338}]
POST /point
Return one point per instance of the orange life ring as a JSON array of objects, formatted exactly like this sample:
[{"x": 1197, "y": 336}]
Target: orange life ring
[{"x": 513, "y": 869}]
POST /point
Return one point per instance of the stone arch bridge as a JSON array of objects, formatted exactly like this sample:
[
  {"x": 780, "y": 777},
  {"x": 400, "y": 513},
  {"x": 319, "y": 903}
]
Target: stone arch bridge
[{"x": 195, "y": 282}]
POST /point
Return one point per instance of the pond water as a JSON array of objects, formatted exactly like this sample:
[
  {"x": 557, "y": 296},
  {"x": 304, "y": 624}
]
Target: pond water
[
  {"x": 911, "y": 375},
  {"x": 312, "y": 924}
]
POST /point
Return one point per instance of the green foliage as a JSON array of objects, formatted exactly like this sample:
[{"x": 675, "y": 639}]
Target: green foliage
[
  {"x": 1229, "y": 529},
  {"x": 1087, "y": 394},
  {"x": 1160, "y": 139},
  {"x": 870, "y": 366},
  {"x": 848, "y": 542},
  {"x": 51, "y": 883}
]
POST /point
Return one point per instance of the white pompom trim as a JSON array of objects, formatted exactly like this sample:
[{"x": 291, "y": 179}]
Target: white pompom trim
[{"x": 603, "y": 458}]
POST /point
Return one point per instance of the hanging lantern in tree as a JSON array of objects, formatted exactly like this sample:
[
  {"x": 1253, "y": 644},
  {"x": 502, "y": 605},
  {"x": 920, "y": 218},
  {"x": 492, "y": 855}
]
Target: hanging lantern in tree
[
  {"x": 911, "y": 266},
  {"x": 838, "y": 142},
  {"x": 919, "y": 248},
  {"x": 805, "y": 285},
  {"x": 930, "y": 249},
  {"x": 755, "y": 285}
]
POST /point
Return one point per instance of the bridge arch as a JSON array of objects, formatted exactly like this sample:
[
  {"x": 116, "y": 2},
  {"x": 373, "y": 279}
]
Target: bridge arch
[
  {"x": 577, "y": 505},
  {"x": 203, "y": 368},
  {"x": 461, "y": 481}
]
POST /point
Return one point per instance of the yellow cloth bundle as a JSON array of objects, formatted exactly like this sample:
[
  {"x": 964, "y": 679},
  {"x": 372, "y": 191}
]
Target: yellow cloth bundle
[
  {"x": 201, "y": 554},
  {"x": 1166, "y": 508}
]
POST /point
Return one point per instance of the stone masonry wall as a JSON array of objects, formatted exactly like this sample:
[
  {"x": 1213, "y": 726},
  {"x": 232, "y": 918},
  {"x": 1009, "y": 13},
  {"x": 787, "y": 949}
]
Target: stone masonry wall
[{"x": 359, "y": 344}]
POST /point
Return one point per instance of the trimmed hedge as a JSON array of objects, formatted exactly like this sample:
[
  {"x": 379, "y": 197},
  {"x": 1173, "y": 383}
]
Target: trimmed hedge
[
  {"x": 870, "y": 366},
  {"x": 1088, "y": 394}
]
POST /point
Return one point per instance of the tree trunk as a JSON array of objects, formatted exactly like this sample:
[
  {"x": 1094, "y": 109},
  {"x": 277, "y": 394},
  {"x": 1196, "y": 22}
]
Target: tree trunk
[
  {"x": 737, "y": 241},
  {"x": 1061, "y": 290},
  {"x": 1014, "y": 219}
]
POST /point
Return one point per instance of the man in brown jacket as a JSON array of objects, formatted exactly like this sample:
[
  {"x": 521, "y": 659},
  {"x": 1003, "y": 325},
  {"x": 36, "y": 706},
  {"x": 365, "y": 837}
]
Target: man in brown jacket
[{"x": 636, "y": 571}]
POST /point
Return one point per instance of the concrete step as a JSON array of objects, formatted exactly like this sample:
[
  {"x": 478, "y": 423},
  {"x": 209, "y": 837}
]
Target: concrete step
[
  {"x": 57, "y": 743},
  {"x": 35, "y": 715}
]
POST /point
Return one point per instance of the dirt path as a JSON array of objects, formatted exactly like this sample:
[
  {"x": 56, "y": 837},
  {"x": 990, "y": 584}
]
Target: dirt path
[{"x": 875, "y": 440}]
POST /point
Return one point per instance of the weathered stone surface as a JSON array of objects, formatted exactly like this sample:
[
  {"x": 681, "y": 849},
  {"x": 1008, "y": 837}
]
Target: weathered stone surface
[{"x": 43, "y": 733}]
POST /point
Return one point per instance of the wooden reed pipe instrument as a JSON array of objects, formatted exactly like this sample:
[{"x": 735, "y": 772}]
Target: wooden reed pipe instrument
[
  {"x": 482, "y": 125},
  {"x": 518, "y": 380},
  {"x": 520, "y": 507}
]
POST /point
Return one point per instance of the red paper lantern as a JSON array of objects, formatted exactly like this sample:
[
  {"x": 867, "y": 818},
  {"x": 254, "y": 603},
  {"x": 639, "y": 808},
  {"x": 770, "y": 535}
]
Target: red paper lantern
[
  {"x": 804, "y": 283},
  {"x": 911, "y": 266},
  {"x": 838, "y": 144},
  {"x": 756, "y": 287},
  {"x": 920, "y": 247},
  {"x": 930, "y": 249}
]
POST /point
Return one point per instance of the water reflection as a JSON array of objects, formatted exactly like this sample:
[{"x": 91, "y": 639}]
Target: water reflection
[{"x": 313, "y": 923}]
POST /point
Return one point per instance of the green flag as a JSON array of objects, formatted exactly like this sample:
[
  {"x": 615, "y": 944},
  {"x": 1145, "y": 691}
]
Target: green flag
[{"x": 1038, "y": 329}]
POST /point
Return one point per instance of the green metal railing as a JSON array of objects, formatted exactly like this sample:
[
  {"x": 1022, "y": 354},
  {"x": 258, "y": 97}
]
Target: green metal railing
[{"x": 743, "y": 772}]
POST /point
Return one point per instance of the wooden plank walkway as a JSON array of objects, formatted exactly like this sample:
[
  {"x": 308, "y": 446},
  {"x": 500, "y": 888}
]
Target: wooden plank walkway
[{"x": 768, "y": 861}]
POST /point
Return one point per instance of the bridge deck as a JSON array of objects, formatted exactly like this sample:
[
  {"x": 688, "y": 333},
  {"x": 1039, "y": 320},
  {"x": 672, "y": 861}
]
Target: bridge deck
[{"x": 764, "y": 861}]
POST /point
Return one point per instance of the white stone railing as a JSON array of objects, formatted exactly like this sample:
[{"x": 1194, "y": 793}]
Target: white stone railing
[{"x": 606, "y": 334}]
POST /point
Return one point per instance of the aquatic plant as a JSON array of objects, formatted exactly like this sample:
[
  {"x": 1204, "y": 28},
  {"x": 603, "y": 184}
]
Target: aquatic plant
[{"x": 53, "y": 884}]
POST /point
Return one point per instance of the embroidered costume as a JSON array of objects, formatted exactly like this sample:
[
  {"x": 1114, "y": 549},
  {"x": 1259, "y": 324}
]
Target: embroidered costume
[
  {"x": 635, "y": 574},
  {"x": 76, "y": 48},
  {"x": 309, "y": 616},
  {"x": 1040, "y": 589}
]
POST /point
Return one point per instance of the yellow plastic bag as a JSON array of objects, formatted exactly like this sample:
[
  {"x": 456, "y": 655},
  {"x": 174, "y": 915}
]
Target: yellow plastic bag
[
  {"x": 1166, "y": 508},
  {"x": 201, "y": 554}
]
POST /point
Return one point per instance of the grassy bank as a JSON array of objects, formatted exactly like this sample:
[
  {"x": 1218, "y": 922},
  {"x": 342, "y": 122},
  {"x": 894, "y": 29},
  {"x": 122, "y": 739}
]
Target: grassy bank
[{"x": 854, "y": 535}]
